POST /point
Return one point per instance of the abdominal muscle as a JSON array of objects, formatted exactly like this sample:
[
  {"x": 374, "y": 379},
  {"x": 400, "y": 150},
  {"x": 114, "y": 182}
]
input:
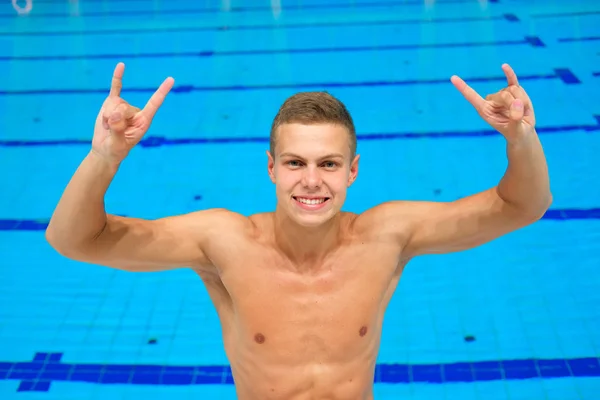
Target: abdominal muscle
[
  {"x": 283, "y": 372},
  {"x": 290, "y": 351}
]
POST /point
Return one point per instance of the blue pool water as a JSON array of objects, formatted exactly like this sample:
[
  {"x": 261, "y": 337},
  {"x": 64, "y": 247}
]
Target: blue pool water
[{"x": 518, "y": 318}]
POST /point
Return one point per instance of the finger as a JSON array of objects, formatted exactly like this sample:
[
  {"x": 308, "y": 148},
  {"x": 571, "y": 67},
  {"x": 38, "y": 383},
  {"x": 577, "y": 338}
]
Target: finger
[
  {"x": 502, "y": 98},
  {"x": 108, "y": 107},
  {"x": 158, "y": 98},
  {"x": 117, "y": 80},
  {"x": 519, "y": 93},
  {"x": 471, "y": 95},
  {"x": 511, "y": 77},
  {"x": 516, "y": 110},
  {"x": 118, "y": 117}
]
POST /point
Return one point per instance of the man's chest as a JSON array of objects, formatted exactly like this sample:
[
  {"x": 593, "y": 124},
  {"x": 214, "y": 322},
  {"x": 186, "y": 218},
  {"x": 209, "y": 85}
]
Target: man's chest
[
  {"x": 349, "y": 273},
  {"x": 276, "y": 302}
]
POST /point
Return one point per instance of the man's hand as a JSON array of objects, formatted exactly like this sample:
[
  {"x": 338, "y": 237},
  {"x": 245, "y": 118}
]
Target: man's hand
[
  {"x": 520, "y": 198},
  {"x": 509, "y": 111},
  {"x": 120, "y": 126}
]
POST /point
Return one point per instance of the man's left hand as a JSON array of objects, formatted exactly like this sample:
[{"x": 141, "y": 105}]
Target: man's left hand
[{"x": 509, "y": 110}]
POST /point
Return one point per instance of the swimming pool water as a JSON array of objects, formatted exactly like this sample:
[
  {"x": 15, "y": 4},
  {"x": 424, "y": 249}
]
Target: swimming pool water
[{"x": 518, "y": 318}]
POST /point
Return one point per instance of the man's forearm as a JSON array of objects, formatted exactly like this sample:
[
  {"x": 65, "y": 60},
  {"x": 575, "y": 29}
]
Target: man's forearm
[
  {"x": 80, "y": 214},
  {"x": 526, "y": 185}
]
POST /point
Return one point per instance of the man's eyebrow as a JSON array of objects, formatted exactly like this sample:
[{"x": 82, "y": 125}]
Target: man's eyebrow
[{"x": 331, "y": 155}]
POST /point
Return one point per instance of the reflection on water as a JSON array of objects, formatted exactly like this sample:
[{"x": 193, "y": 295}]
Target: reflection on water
[{"x": 22, "y": 9}]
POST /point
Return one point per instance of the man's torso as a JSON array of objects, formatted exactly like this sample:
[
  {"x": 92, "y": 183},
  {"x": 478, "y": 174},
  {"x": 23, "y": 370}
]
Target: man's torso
[{"x": 294, "y": 330}]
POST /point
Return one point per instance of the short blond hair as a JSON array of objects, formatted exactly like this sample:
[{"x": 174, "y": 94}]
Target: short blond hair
[{"x": 313, "y": 108}]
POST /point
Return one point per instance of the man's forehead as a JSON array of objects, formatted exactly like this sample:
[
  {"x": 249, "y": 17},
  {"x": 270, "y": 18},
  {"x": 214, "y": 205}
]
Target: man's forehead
[
  {"x": 313, "y": 141},
  {"x": 317, "y": 134}
]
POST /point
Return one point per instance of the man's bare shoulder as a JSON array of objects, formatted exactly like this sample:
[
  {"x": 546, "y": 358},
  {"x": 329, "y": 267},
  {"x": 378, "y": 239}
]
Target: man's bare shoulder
[
  {"x": 215, "y": 214},
  {"x": 216, "y": 231},
  {"x": 219, "y": 221},
  {"x": 392, "y": 220},
  {"x": 382, "y": 216}
]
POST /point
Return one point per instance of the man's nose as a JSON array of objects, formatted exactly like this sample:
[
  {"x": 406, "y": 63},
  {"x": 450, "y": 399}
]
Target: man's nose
[{"x": 312, "y": 177}]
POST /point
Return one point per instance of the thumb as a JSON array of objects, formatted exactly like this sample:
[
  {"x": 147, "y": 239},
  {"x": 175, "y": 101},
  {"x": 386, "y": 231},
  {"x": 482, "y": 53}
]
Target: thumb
[
  {"x": 516, "y": 111},
  {"x": 118, "y": 119}
]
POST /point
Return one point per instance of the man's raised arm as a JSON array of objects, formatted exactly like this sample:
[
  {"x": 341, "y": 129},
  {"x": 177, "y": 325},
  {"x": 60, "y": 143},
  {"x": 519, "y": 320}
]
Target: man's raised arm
[
  {"x": 521, "y": 197},
  {"x": 81, "y": 229}
]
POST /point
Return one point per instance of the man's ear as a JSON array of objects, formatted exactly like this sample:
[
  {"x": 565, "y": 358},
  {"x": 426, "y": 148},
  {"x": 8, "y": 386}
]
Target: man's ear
[
  {"x": 353, "y": 170},
  {"x": 271, "y": 166}
]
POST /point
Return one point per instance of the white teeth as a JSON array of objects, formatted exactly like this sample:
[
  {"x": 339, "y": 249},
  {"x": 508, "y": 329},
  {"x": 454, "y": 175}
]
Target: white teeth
[{"x": 310, "y": 201}]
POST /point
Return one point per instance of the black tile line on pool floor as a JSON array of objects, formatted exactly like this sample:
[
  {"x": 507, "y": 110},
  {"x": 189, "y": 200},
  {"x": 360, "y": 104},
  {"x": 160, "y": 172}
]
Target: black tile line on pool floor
[
  {"x": 152, "y": 141},
  {"x": 563, "y": 74},
  {"x": 154, "y": 30},
  {"x": 38, "y": 374},
  {"x": 533, "y": 41}
]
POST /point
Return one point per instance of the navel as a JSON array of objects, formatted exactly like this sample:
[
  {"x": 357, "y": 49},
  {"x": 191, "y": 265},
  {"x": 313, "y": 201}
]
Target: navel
[
  {"x": 259, "y": 338},
  {"x": 362, "y": 331}
]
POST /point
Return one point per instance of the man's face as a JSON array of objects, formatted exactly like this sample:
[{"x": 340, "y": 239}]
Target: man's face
[{"x": 312, "y": 170}]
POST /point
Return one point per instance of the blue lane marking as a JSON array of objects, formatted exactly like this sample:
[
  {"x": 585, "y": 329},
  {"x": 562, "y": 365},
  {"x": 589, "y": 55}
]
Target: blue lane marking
[
  {"x": 566, "y": 14},
  {"x": 567, "y": 76},
  {"x": 552, "y": 215},
  {"x": 213, "y": 10},
  {"x": 533, "y": 41},
  {"x": 563, "y": 74},
  {"x": 22, "y": 225},
  {"x": 46, "y": 368},
  {"x": 158, "y": 141},
  {"x": 154, "y": 30},
  {"x": 580, "y": 39},
  {"x": 33, "y": 385},
  {"x": 572, "y": 213}
]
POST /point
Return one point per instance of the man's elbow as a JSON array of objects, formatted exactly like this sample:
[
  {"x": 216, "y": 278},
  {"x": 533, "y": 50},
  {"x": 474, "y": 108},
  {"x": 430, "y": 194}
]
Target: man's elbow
[
  {"x": 549, "y": 200},
  {"x": 534, "y": 211},
  {"x": 67, "y": 245},
  {"x": 61, "y": 246},
  {"x": 544, "y": 206},
  {"x": 53, "y": 240}
]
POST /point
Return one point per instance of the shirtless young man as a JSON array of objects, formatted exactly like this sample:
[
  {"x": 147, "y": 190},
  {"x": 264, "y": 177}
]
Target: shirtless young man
[{"x": 300, "y": 292}]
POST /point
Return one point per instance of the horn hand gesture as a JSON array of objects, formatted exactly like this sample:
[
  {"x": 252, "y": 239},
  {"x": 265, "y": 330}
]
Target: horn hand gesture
[
  {"x": 509, "y": 110},
  {"x": 120, "y": 126}
]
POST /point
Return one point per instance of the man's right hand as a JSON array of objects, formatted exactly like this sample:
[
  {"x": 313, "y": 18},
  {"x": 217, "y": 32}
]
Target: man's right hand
[{"x": 120, "y": 126}]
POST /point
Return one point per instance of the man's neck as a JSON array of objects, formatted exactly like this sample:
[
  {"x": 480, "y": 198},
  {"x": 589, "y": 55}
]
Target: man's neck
[{"x": 305, "y": 247}]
